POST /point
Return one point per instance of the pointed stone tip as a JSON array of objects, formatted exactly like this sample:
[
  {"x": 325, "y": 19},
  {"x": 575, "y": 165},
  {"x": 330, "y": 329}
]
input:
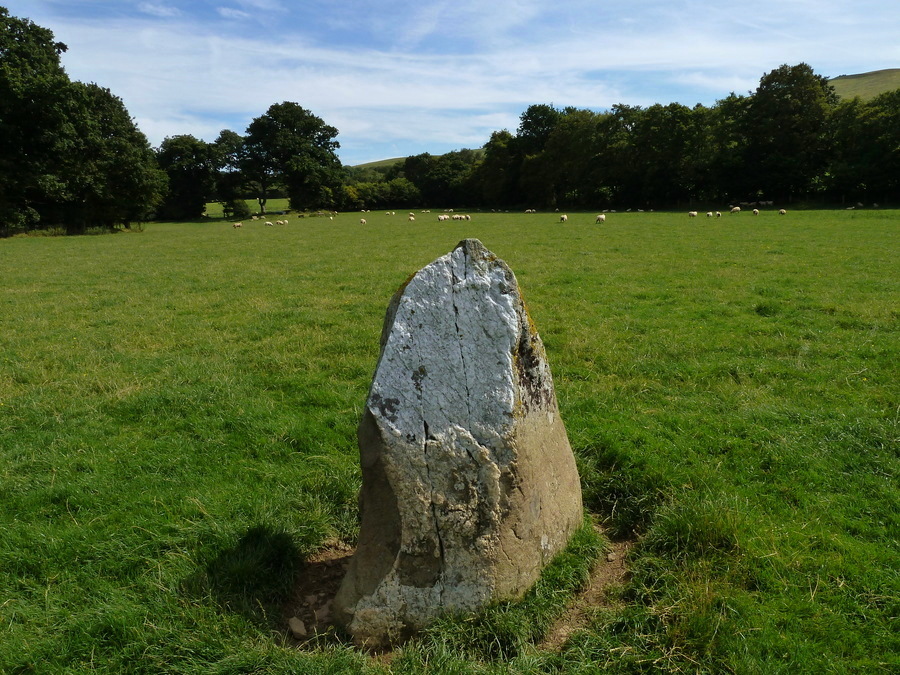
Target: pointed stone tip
[{"x": 472, "y": 246}]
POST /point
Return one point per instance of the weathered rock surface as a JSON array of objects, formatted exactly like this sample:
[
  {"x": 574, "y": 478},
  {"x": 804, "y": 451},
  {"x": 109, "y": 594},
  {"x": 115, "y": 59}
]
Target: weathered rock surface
[{"x": 469, "y": 482}]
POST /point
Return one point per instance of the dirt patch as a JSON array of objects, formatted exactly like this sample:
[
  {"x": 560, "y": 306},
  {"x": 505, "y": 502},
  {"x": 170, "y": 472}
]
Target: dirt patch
[
  {"x": 308, "y": 612},
  {"x": 609, "y": 571}
]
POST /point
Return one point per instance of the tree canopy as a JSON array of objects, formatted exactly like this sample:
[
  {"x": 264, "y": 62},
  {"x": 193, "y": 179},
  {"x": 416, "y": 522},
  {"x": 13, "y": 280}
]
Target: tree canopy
[{"x": 70, "y": 155}]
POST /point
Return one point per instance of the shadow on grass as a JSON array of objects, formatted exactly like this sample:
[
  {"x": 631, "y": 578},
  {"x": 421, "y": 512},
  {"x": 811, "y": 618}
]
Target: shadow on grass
[{"x": 254, "y": 577}]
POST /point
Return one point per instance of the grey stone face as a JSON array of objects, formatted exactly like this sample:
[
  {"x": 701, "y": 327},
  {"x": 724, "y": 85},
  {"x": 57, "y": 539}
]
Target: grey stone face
[{"x": 469, "y": 483}]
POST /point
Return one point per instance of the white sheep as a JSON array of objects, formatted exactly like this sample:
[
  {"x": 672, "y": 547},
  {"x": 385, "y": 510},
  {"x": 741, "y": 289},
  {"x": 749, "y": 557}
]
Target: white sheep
[
  {"x": 563, "y": 218},
  {"x": 781, "y": 212},
  {"x": 718, "y": 214},
  {"x": 268, "y": 223},
  {"x": 362, "y": 221},
  {"x": 692, "y": 214},
  {"x": 755, "y": 212},
  {"x": 736, "y": 209},
  {"x": 237, "y": 225},
  {"x": 601, "y": 218},
  {"x": 709, "y": 214},
  {"x": 412, "y": 217}
]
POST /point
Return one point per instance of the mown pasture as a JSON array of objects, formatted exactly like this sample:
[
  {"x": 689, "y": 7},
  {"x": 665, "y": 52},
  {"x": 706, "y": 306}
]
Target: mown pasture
[{"x": 177, "y": 434}]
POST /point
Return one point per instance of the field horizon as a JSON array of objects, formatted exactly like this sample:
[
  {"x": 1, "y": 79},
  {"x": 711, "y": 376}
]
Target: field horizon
[{"x": 178, "y": 409}]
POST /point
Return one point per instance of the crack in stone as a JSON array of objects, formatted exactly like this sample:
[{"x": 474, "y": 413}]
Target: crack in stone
[
  {"x": 459, "y": 337},
  {"x": 426, "y": 435}
]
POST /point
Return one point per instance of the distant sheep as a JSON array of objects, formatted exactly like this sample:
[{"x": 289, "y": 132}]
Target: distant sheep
[
  {"x": 692, "y": 214},
  {"x": 412, "y": 217},
  {"x": 781, "y": 212},
  {"x": 718, "y": 214},
  {"x": 755, "y": 212},
  {"x": 709, "y": 214},
  {"x": 563, "y": 218},
  {"x": 269, "y": 223},
  {"x": 600, "y": 218},
  {"x": 362, "y": 221},
  {"x": 736, "y": 209},
  {"x": 237, "y": 225}
]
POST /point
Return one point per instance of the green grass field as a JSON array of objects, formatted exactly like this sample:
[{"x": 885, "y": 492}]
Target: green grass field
[
  {"x": 177, "y": 434},
  {"x": 867, "y": 85}
]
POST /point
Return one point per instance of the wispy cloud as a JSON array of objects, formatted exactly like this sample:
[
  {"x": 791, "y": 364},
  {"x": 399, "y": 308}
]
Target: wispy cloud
[
  {"x": 232, "y": 13},
  {"x": 403, "y": 77},
  {"x": 162, "y": 11}
]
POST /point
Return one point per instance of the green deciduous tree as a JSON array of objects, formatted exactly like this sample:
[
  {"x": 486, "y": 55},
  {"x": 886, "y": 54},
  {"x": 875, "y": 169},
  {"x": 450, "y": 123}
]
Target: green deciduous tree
[
  {"x": 191, "y": 166},
  {"x": 70, "y": 154},
  {"x": 291, "y": 146},
  {"x": 786, "y": 124},
  {"x": 32, "y": 81}
]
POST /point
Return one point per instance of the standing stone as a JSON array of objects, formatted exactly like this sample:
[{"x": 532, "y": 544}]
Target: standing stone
[{"x": 469, "y": 483}]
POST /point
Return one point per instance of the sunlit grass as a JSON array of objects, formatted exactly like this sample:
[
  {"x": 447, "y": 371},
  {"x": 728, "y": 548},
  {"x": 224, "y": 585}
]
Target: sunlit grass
[{"x": 177, "y": 431}]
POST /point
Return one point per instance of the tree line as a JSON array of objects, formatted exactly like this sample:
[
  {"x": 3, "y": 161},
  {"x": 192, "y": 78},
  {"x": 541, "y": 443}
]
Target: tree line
[
  {"x": 72, "y": 157},
  {"x": 792, "y": 140}
]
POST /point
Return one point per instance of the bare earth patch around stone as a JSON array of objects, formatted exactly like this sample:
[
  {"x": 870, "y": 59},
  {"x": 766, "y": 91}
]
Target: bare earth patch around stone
[
  {"x": 608, "y": 573},
  {"x": 308, "y": 620},
  {"x": 308, "y": 613}
]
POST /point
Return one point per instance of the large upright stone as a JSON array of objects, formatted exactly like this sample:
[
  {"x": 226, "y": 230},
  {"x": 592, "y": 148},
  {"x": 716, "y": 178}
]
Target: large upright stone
[{"x": 469, "y": 483}]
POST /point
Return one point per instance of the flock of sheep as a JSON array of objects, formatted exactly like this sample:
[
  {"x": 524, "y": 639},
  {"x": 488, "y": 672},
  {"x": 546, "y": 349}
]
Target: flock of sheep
[
  {"x": 734, "y": 209},
  {"x": 449, "y": 215}
]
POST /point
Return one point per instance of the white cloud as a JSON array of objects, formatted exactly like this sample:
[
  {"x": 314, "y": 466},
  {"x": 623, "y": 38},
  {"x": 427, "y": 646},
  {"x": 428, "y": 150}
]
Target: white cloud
[
  {"x": 162, "y": 11},
  {"x": 422, "y": 76},
  {"x": 263, "y": 5},
  {"x": 231, "y": 13}
]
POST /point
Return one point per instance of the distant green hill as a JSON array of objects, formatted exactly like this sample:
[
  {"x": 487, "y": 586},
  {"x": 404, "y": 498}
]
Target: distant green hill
[
  {"x": 385, "y": 163},
  {"x": 380, "y": 163},
  {"x": 866, "y": 85}
]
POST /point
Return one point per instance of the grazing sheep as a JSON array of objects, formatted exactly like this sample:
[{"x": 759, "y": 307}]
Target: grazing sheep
[
  {"x": 255, "y": 217},
  {"x": 412, "y": 218},
  {"x": 755, "y": 212},
  {"x": 237, "y": 224},
  {"x": 268, "y": 223},
  {"x": 781, "y": 212},
  {"x": 362, "y": 221},
  {"x": 600, "y": 218},
  {"x": 718, "y": 214},
  {"x": 736, "y": 209},
  {"x": 563, "y": 218},
  {"x": 709, "y": 214},
  {"x": 692, "y": 214}
]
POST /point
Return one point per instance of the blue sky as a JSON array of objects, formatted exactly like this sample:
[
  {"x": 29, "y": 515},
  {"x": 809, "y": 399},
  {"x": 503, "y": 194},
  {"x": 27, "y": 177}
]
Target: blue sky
[{"x": 401, "y": 77}]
